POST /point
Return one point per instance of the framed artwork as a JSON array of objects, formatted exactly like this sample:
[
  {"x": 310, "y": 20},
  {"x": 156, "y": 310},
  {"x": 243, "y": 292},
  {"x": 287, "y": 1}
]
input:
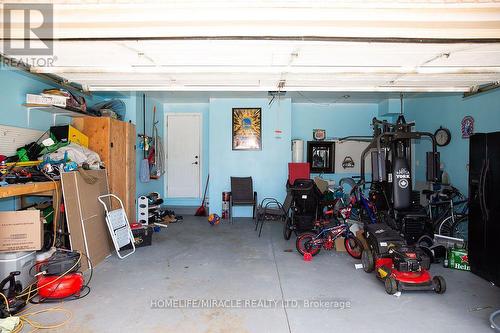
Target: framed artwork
[
  {"x": 247, "y": 129},
  {"x": 321, "y": 156}
]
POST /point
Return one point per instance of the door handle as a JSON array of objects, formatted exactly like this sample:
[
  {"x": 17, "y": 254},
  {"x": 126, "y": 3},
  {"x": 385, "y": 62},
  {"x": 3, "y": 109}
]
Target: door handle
[
  {"x": 481, "y": 190},
  {"x": 486, "y": 210},
  {"x": 195, "y": 162}
]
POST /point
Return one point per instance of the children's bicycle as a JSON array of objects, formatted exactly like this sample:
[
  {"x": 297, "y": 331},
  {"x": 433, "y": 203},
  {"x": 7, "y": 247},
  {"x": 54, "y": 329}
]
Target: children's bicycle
[
  {"x": 359, "y": 208},
  {"x": 312, "y": 242}
]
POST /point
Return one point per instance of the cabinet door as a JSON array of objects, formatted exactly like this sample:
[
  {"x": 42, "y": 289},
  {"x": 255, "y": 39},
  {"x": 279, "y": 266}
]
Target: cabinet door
[
  {"x": 117, "y": 174},
  {"x": 98, "y": 131},
  {"x": 492, "y": 181},
  {"x": 130, "y": 171},
  {"x": 476, "y": 235}
]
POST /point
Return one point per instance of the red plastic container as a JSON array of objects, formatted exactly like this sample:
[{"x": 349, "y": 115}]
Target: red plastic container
[{"x": 298, "y": 171}]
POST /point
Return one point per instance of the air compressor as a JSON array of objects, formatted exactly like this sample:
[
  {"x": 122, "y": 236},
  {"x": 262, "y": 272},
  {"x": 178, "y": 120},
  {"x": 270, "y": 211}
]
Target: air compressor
[{"x": 59, "y": 276}]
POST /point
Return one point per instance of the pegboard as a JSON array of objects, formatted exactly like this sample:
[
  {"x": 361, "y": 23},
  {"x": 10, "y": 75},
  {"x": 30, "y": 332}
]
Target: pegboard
[
  {"x": 354, "y": 150},
  {"x": 12, "y": 138}
]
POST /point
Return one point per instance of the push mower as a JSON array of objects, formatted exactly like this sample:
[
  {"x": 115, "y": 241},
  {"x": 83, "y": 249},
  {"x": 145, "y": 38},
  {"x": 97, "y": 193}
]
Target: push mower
[{"x": 401, "y": 267}]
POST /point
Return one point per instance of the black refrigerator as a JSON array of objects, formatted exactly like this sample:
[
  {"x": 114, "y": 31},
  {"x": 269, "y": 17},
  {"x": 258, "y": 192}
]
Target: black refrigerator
[{"x": 484, "y": 206}]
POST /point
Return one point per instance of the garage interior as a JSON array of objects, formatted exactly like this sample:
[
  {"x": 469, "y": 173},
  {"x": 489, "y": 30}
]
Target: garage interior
[{"x": 249, "y": 166}]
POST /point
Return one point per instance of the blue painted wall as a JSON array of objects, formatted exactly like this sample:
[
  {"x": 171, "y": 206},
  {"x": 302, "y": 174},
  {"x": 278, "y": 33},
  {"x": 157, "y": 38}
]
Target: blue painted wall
[
  {"x": 432, "y": 110},
  {"x": 268, "y": 167},
  {"x": 201, "y": 108},
  {"x": 14, "y": 85},
  {"x": 339, "y": 120}
]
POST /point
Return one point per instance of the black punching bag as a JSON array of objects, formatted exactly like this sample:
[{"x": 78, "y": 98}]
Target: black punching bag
[{"x": 401, "y": 182}]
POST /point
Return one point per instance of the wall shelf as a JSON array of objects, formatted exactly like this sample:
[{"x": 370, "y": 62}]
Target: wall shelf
[{"x": 54, "y": 110}]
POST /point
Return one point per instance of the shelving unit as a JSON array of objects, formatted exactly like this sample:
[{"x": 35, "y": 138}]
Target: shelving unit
[{"x": 54, "y": 110}]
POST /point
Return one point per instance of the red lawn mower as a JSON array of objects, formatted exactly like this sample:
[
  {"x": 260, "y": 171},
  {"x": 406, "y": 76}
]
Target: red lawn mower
[{"x": 401, "y": 267}]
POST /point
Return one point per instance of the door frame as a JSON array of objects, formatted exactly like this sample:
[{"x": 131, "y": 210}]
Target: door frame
[{"x": 165, "y": 144}]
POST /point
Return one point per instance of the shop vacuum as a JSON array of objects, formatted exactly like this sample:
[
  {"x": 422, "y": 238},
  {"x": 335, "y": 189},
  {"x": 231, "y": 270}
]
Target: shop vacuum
[{"x": 10, "y": 293}]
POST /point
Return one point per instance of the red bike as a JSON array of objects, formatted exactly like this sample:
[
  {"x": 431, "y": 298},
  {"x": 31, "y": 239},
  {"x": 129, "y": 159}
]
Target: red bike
[{"x": 312, "y": 242}]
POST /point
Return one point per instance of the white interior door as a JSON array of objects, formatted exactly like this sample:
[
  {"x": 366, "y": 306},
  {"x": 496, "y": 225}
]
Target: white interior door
[{"x": 183, "y": 155}]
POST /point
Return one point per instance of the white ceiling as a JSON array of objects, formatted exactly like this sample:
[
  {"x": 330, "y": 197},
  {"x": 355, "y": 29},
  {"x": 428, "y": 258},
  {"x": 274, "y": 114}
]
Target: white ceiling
[{"x": 197, "y": 45}]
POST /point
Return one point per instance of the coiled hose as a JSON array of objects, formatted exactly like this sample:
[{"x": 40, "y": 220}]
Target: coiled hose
[{"x": 492, "y": 320}]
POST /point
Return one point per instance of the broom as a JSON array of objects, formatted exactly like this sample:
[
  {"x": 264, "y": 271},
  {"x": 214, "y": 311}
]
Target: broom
[{"x": 201, "y": 211}]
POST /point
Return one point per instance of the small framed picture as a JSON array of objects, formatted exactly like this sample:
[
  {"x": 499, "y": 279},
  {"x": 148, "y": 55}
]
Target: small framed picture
[
  {"x": 321, "y": 156},
  {"x": 247, "y": 129}
]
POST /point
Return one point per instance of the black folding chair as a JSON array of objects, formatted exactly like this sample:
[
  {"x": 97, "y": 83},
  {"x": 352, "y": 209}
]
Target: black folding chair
[
  {"x": 272, "y": 209},
  {"x": 242, "y": 194}
]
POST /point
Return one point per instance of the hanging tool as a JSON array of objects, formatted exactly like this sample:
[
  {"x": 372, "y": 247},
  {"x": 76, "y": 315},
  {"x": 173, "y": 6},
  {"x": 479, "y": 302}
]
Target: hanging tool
[
  {"x": 156, "y": 156},
  {"x": 152, "y": 148},
  {"x": 144, "y": 168}
]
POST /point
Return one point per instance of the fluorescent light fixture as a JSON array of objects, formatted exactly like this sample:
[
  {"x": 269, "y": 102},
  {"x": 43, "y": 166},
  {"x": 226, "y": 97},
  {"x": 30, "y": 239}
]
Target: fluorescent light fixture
[{"x": 229, "y": 88}]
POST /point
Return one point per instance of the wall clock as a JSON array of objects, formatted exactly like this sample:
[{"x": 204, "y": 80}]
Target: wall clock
[{"x": 443, "y": 136}]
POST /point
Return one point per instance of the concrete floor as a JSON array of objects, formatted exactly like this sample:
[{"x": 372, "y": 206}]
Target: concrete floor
[{"x": 193, "y": 260}]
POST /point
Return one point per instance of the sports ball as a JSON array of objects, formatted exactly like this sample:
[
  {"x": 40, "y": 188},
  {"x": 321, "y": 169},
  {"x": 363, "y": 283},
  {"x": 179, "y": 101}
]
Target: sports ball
[{"x": 213, "y": 219}]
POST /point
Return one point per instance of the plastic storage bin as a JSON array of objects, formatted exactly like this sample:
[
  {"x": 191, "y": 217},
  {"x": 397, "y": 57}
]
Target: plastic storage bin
[{"x": 17, "y": 261}]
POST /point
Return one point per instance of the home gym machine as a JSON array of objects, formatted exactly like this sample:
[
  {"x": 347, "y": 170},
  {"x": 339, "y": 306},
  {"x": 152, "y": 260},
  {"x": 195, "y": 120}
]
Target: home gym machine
[{"x": 391, "y": 154}]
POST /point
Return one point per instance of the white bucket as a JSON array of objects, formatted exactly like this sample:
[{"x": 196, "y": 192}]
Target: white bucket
[{"x": 297, "y": 151}]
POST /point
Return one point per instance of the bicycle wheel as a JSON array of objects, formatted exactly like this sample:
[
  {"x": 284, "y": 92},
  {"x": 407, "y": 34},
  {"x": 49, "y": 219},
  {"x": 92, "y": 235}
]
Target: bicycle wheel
[
  {"x": 353, "y": 246},
  {"x": 305, "y": 244},
  {"x": 446, "y": 226},
  {"x": 460, "y": 228},
  {"x": 287, "y": 228}
]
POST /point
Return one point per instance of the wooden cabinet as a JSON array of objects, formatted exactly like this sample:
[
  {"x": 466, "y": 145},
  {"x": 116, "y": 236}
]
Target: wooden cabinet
[{"x": 114, "y": 141}]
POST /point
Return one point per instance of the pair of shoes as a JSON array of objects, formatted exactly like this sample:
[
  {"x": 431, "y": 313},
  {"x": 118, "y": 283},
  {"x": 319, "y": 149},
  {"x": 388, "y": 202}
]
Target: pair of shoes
[
  {"x": 169, "y": 219},
  {"x": 162, "y": 224}
]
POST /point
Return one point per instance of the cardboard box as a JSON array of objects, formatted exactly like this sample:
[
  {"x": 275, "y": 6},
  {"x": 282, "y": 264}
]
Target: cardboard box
[
  {"x": 339, "y": 244},
  {"x": 360, "y": 234},
  {"x": 458, "y": 259},
  {"x": 68, "y": 133},
  {"x": 20, "y": 231}
]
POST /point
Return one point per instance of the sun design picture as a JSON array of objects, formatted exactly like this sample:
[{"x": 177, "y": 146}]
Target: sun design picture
[{"x": 247, "y": 129}]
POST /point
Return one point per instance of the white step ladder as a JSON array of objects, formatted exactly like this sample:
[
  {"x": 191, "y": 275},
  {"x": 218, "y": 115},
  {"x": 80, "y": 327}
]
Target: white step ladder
[{"x": 118, "y": 226}]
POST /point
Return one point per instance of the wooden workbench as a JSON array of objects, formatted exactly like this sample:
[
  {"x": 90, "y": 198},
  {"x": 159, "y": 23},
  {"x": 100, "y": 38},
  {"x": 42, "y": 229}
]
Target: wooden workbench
[{"x": 39, "y": 189}]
